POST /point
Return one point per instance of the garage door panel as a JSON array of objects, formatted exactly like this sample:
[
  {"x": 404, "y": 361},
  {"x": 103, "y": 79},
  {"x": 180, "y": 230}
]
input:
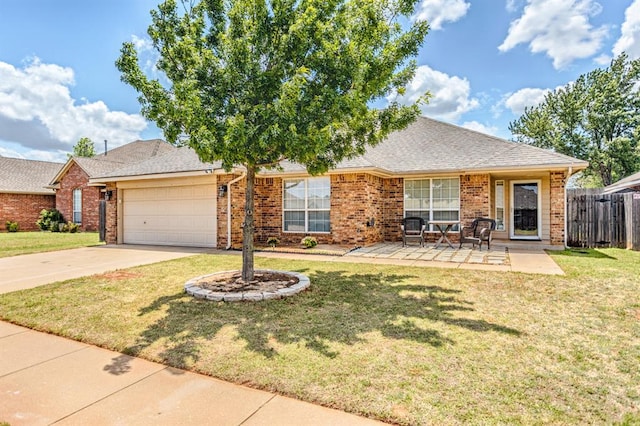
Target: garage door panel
[{"x": 180, "y": 215}]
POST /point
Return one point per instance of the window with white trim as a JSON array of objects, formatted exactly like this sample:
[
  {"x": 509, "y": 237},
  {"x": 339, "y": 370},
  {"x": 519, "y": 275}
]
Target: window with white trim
[
  {"x": 77, "y": 206},
  {"x": 432, "y": 199},
  {"x": 306, "y": 205},
  {"x": 499, "y": 205}
]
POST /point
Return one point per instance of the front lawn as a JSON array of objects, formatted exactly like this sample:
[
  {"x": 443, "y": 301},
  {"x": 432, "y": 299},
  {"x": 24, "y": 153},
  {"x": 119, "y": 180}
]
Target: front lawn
[
  {"x": 406, "y": 345},
  {"x": 15, "y": 243}
]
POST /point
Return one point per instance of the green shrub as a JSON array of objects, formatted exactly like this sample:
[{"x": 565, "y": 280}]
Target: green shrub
[
  {"x": 273, "y": 241},
  {"x": 49, "y": 220},
  {"x": 12, "y": 226},
  {"x": 72, "y": 227},
  {"x": 309, "y": 242}
]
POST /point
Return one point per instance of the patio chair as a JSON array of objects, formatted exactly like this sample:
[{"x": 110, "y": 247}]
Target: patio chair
[
  {"x": 480, "y": 230},
  {"x": 413, "y": 228}
]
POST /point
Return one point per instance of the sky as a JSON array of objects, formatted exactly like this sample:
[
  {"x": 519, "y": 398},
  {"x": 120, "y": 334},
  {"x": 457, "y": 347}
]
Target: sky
[{"x": 483, "y": 62}]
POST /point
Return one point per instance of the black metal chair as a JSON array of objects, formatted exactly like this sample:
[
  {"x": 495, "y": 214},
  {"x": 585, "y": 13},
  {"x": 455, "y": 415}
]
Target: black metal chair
[
  {"x": 481, "y": 229},
  {"x": 413, "y": 228}
]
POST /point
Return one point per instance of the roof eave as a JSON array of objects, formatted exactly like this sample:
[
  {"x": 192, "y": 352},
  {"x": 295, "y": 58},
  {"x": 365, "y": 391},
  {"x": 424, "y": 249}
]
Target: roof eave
[
  {"x": 27, "y": 192},
  {"x": 97, "y": 181}
]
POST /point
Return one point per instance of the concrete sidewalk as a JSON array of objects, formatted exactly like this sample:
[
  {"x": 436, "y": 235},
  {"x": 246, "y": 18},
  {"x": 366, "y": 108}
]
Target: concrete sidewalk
[{"x": 46, "y": 379}]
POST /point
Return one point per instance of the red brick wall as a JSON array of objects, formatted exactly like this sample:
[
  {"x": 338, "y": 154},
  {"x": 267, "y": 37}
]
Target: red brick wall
[
  {"x": 24, "y": 209},
  {"x": 556, "y": 233},
  {"x": 393, "y": 209},
  {"x": 77, "y": 178},
  {"x": 111, "y": 231},
  {"x": 474, "y": 197},
  {"x": 355, "y": 200}
]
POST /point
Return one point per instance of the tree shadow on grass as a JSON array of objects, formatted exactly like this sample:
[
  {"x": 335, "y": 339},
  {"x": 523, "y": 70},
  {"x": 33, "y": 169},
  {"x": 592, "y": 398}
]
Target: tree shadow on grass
[{"x": 337, "y": 308}]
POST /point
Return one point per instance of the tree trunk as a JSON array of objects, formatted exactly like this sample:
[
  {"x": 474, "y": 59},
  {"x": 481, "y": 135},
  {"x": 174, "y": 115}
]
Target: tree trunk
[{"x": 248, "y": 227}]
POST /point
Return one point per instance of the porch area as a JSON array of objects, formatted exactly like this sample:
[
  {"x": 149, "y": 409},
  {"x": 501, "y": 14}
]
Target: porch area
[
  {"x": 495, "y": 256},
  {"x": 505, "y": 256}
]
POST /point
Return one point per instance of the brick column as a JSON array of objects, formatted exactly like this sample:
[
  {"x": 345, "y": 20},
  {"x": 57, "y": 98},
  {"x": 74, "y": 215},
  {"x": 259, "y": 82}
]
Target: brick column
[
  {"x": 474, "y": 197},
  {"x": 557, "y": 201}
]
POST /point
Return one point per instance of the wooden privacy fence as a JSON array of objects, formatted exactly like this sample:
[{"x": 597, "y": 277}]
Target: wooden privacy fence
[{"x": 598, "y": 220}]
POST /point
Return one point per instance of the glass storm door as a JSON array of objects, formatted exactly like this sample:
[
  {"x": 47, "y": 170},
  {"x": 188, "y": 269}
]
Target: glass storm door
[{"x": 525, "y": 210}]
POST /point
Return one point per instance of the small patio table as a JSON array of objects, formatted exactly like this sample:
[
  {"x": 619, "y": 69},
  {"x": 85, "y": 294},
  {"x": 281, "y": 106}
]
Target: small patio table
[{"x": 444, "y": 226}]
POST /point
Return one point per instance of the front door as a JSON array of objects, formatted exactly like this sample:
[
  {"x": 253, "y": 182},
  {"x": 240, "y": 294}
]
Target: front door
[{"x": 526, "y": 210}]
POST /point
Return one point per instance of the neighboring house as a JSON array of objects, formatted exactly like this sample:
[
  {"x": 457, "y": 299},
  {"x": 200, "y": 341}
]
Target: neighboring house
[
  {"x": 76, "y": 198},
  {"x": 628, "y": 184},
  {"x": 431, "y": 169},
  {"x": 23, "y": 192}
]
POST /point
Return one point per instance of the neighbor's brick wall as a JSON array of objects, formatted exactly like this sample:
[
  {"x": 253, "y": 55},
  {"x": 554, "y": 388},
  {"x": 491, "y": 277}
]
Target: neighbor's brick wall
[
  {"x": 77, "y": 178},
  {"x": 556, "y": 231},
  {"x": 24, "y": 209},
  {"x": 474, "y": 197}
]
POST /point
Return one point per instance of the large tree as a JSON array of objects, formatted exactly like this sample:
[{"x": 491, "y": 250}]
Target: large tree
[
  {"x": 595, "y": 119},
  {"x": 251, "y": 83},
  {"x": 83, "y": 148}
]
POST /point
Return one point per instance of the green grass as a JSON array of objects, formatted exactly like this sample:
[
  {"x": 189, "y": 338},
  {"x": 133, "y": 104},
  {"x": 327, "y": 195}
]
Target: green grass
[
  {"x": 15, "y": 243},
  {"x": 406, "y": 345}
]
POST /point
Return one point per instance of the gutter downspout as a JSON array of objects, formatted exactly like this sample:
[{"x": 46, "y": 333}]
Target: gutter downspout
[
  {"x": 569, "y": 173},
  {"x": 242, "y": 176}
]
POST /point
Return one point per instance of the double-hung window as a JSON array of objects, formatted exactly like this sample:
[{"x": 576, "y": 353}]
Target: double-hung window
[
  {"x": 77, "y": 206},
  {"x": 307, "y": 205},
  {"x": 433, "y": 199}
]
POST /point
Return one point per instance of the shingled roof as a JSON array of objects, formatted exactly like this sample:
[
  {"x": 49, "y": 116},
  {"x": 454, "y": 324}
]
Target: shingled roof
[
  {"x": 432, "y": 146},
  {"x": 20, "y": 176},
  {"x": 425, "y": 146},
  {"x": 132, "y": 153},
  {"x": 176, "y": 160}
]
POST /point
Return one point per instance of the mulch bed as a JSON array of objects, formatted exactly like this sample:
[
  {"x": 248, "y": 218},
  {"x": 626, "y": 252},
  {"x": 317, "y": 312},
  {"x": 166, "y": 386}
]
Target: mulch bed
[{"x": 231, "y": 282}]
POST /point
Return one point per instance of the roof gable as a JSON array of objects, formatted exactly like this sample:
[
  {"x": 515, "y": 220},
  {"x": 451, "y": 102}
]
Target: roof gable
[{"x": 117, "y": 158}]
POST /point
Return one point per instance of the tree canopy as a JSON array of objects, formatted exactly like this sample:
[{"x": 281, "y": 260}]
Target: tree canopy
[
  {"x": 595, "y": 119},
  {"x": 83, "y": 148},
  {"x": 254, "y": 82}
]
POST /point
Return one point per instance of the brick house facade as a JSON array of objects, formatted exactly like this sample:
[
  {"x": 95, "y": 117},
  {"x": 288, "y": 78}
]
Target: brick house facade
[
  {"x": 366, "y": 209},
  {"x": 77, "y": 179},
  {"x": 359, "y": 203}
]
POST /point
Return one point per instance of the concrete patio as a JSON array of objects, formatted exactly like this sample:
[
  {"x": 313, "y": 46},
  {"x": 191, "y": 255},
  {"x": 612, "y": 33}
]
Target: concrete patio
[{"x": 504, "y": 256}]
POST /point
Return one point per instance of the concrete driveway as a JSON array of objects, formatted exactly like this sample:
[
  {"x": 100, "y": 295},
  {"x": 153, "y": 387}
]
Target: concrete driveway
[{"x": 32, "y": 270}]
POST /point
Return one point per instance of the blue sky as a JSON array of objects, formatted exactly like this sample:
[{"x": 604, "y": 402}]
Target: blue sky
[{"x": 483, "y": 61}]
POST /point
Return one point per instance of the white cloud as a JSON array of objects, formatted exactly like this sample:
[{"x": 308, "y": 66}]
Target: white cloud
[
  {"x": 437, "y": 12},
  {"x": 602, "y": 59},
  {"x": 479, "y": 127},
  {"x": 528, "y": 97},
  {"x": 559, "y": 28},
  {"x": 629, "y": 40},
  {"x": 38, "y": 113},
  {"x": 450, "y": 96},
  {"x": 512, "y": 5}
]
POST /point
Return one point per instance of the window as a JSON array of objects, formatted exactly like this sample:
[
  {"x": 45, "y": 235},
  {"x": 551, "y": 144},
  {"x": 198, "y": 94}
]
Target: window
[
  {"x": 77, "y": 206},
  {"x": 307, "y": 204},
  {"x": 499, "y": 205},
  {"x": 433, "y": 199}
]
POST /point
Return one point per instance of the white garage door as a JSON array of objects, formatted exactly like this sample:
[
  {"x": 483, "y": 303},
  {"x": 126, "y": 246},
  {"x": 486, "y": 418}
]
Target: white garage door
[{"x": 170, "y": 216}]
